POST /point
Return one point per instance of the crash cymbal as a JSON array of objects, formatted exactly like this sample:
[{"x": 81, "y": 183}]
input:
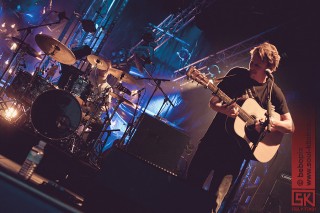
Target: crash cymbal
[
  {"x": 99, "y": 62},
  {"x": 55, "y": 49},
  {"x": 26, "y": 47},
  {"x": 122, "y": 99},
  {"x": 123, "y": 76}
]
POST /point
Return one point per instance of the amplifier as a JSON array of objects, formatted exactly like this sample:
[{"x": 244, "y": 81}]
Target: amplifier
[{"x": 158, "y": 143}]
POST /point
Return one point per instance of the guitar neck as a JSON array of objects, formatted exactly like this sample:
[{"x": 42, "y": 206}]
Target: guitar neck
[{"x": 242, "y": 114}]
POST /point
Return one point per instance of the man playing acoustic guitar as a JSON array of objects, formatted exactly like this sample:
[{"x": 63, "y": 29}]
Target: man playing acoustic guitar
[{"x": 252, "y": 113}]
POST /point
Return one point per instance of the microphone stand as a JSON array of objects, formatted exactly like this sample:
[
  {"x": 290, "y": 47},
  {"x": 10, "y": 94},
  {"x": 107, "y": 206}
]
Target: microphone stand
[
  {"x": 157, "y": 82},
  {"x": 267, "y": 123},
  {"x": 269, "y": 105}
]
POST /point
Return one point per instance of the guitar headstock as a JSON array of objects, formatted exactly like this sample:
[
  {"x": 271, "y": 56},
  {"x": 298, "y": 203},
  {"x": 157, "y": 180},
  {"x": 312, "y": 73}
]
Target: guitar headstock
[{"x": 197, "y": 76}]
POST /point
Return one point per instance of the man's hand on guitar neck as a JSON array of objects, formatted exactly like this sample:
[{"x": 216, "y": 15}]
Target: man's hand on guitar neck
[{"x": 231, "y": 109}]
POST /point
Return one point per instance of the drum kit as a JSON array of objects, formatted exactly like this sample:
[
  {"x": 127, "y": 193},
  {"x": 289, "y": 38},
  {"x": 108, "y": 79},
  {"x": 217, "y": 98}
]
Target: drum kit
[{"x": 67, "y": 116}]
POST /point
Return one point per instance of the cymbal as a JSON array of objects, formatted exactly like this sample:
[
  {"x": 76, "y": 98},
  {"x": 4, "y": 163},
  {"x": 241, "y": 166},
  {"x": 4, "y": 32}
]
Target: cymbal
[
  {"x": 26, "y": 47},
  {"x": 122, "y": 99},
  {"x": 99, "y": 62},
  {"x": 55, "y": 49},
  {"x": 122, "y": 76}
]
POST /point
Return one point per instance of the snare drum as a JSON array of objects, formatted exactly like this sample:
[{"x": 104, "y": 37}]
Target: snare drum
[
  {"x": 56, "y": 114},
  {"x": 38, "y": 86}
]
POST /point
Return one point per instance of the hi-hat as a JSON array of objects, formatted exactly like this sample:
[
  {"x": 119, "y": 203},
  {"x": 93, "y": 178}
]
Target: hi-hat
[
  {"x": 55, "y": 49},
  {"x": 122, "y": 76},
  {"x": 122, "y": 99},
  {"x": 99, "y": 62},
  {"x": 26, "y": 47}
]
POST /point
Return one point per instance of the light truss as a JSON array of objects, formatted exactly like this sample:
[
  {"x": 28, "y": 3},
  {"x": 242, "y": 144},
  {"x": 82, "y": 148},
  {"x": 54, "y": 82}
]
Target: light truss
[
  {"x": 225, "y": 58},
  {"x": 174, "y": 23}
]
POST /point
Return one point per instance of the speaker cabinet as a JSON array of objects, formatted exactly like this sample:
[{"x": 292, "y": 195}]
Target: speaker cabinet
[
  {"x": 158, "y": 143},
  {"x": 129, "y": 184}
]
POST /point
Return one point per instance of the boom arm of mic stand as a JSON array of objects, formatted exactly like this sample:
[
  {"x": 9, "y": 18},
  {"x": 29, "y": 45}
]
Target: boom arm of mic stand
[
  {"x": 166, "y": 98},
  {"x": 158, "y": 82},
  {"x": 41, "y": 25}
]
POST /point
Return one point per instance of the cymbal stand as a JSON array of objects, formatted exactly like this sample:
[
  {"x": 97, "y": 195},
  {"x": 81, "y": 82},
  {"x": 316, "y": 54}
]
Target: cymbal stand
[
  {"x": 97, "y": 108},
  {"x": 99, "y": 143},
  {"x": 129, "y": 129}
]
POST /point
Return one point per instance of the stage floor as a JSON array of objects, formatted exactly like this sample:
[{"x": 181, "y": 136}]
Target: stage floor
[
  {"x": 59, "y": 174},
  {"x": 124, "y": 183}
]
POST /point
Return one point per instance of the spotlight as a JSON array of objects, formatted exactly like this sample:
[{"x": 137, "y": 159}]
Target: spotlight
[{"x": 10, "y": 113}]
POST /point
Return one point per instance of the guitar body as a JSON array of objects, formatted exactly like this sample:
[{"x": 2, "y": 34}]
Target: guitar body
[{"x": 270, "y": 143}]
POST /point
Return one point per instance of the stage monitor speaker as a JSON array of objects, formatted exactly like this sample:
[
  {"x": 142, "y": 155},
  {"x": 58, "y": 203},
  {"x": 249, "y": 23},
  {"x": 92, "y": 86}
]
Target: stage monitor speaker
[
  {"x": 158, "y": 143},
  {"x": 129, "y": 184}
]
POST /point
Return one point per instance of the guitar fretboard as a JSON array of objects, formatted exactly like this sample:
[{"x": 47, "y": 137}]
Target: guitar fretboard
[{"x": 242, "y": 114}]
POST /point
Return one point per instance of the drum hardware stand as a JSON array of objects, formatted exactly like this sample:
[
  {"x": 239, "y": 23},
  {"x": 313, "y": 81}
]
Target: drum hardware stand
[
  {"x": 66, "y": 87},
  {"x": 99, "y": 144},
  {"x": 129, "y": 130},
  {"x": 105, "y": 93},
  {"x": 89, "y": 121}
]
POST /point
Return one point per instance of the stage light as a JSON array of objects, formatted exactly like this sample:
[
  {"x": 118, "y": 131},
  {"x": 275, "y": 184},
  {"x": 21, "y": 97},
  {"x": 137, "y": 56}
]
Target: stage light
[
  {"x": 10, "y": 113},
  {"x": 3, "y": 25},
  {"x": 13, "y": 46},
  {"x": 13, "y": 25}
]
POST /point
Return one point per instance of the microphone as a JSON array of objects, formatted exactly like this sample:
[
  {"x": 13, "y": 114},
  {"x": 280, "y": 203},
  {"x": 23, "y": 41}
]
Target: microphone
[
  {"x": 135, "y": 92},
  {"x": 269, "y": 73}
]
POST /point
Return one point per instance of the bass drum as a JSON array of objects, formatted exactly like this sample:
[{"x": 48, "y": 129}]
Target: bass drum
[{"x": 56, "y": 114}]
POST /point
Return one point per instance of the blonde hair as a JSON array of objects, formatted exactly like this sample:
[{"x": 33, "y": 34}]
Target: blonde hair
[{"x": 269, "y": 53}]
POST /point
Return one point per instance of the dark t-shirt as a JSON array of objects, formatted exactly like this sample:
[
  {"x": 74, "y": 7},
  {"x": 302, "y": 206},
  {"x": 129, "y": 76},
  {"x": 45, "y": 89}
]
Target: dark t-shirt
[{"x": 238, "y": 84}]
